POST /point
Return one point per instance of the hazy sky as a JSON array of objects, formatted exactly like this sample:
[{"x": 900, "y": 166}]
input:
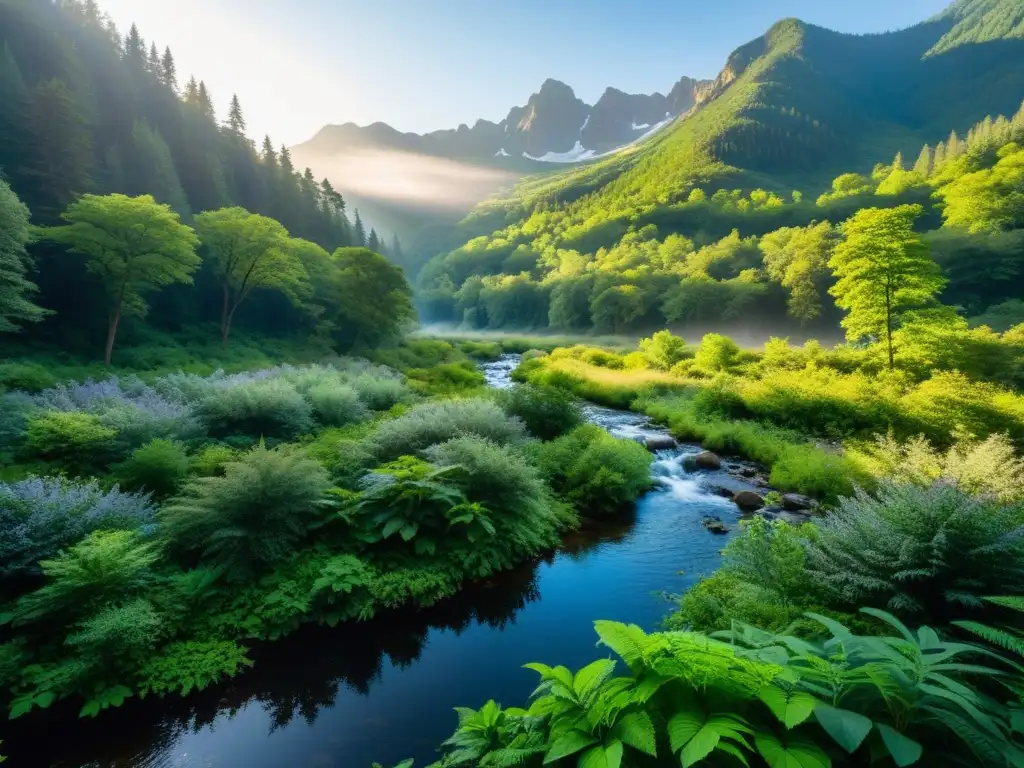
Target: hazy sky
[{"x": 424, "y": 64}]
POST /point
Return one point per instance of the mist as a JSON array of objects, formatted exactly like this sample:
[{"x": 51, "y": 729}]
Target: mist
[
  {"x": 742, "y": 333},
  {"x": 408, "y": 178}
]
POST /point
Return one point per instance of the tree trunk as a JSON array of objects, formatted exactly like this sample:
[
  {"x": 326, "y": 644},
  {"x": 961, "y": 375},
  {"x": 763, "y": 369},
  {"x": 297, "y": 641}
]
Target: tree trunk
[
  {"x": 112, "y": 333},
  {"x": 226, "y": 328},
  {"x": 225, "y": 319},
  {"x": 888, "y": 328}
]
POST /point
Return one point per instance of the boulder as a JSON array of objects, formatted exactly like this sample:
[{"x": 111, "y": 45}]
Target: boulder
[
  {"x": 715, "y": 525},
  {"x": 719, "y": 490},
  {"x": 795, "y": 502},
  {"x": 707, "y": 460},
  {"x": 748, "y": 500},
  {"x": 661, "y": 443}
]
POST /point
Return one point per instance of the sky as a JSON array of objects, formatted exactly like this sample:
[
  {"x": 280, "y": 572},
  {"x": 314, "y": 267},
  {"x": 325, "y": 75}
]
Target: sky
[{"x": 420, "y": 65}]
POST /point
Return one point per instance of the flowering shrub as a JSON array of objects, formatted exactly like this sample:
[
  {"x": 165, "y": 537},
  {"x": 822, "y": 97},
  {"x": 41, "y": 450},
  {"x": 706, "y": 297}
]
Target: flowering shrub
[{"x": 41, "y": 515}]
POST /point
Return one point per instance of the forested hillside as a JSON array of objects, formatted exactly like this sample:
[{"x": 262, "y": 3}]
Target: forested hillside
[
  {"x": 88, "y": 109},
  {"x": 670, "y": 232}
]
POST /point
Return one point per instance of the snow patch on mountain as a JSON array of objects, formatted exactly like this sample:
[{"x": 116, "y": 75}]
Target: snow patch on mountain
[
  {"x": 585, "y": 124},
  {"x": 641, "y": 127},
  {"x": 574, "y": 155},
  {"x": 502, "y": 153}
]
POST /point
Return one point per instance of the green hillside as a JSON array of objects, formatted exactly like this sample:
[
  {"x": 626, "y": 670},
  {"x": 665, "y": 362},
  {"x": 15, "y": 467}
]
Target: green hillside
[{"x": 789, "y": 112}]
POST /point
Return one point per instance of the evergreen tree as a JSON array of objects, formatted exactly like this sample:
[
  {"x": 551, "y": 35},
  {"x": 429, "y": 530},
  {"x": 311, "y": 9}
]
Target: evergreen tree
[
  {"x": 373, "y": 242},
  {"x": 15, "y": 289},
  {"x": 897, "y": 162},
  {"x": 206, "y": 102},
  {"x": 58, "y": 163},
  {"x": 135, "y": 47},
  {"x": 169, "y": 72},
  {"x": 923, "y": 166},
  {"x": 153, "y": 65},
  {"x": 396, "y": 251},
  {"x": 191, "y": 95},
  {"x": 153, "y": 170},
  {"x": 268, "y": 155},
  {"x": 236, "y": 121},
  {"x": 359, "y": 235},
  {"x": 14, "y": 105}
]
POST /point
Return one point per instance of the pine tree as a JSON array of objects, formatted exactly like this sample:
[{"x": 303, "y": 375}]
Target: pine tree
[
  {"x": 191, "y": 95},
  {"x": 285, "y": 162},
  {"x": 897, "y": 162},
  {"x": 58, "y": 165},
  {"x": 14, "y": 104},
  {"x": 939, "y": 158},
  {"x": 169, "y": 72},
  {"x": 268, "y": 155},
  {"x": 236, "y": 121},
  {"x": 923, "y": 166},
  {"x": 15, "y": 290},
  {"x": 373, "y": 242},
  {"x": 954, "y": 147},
  {"x": 396, "y": 251},
  {"x": 153, "y": 170},
  {"x": 359, "y": 235},
  {"x": 206, "y": 102},
  {"x": 135, "y": 47},
  {"x": 153, "y": 65}
]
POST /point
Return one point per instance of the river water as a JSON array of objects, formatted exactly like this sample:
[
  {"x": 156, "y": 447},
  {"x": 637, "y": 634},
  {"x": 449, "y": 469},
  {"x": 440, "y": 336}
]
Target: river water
[{"x": 384, "y": 690}]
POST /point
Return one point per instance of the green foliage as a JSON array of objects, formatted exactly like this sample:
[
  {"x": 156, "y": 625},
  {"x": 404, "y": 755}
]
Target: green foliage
[
  {"x": 75, "y": 440},
  {"x": 547, "y": 412},
  {"x": 431, "y": 423},
  {"x": 597, "y": 473},
  {"x": 918, "y": 550},
  {"x": 257, "y": 408},
  {"x": 159, "y": 466},
  {"x": 25, "y": 376},
  {"x": 104, "y": 567},
  {"x": 212, "y": 460},
  {"x": 663, "y": 350},
  {"x": 16, "y": 291},
  {"x": 255, "y": 516},
  {"x": 335, "y": 405},
  {"x": 191, "y": 666},
  {"x": 716, "y": 353}
]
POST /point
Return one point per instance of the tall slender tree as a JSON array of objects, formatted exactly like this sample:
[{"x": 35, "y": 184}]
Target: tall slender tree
[
  {"x": 135, "y": 47},
  {"x": 373, "y": 242},
  {"x": 191, "y": 95},
  {"x": 359, "y": 235},
  {"x": 883, "y": 270},
  {"x": 206, "y": 102},
  {"x": 16, "y": 291},
  {"x": 169, "y": 71},
  {"x": 153, "y": 64},
  {"x": 236, "y": 121}
]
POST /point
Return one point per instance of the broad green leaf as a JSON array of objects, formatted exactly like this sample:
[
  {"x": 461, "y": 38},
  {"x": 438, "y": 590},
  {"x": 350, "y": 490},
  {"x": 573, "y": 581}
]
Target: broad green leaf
[
  {"x": 45, "y": 699},
  {"x": 733, "y": 750},
  {"x": 626, "y": 640},
  {"x": 591, "y": 676},
  {"x": 20, "y": 707},
  {"x": 405, "y": 764},
  {"x": 794, "y": 754},
  {"x": 392, "y": 525},
  {"x": 637, "y": 730},
  {"x": 700, "y": 746},
  {"x": 91, "y": 709},
  {"x": 608, "y": 756},
  {"x": 847, "y": 728},
  {"x": 791, "y": 707},
  {"x": 569, "y": 744},
  {"x": 904, "y": 751},
  {"x": 892, "y": 621},
  {"x": 682, "y": 727},
  {"x": 409, "y": 531}
]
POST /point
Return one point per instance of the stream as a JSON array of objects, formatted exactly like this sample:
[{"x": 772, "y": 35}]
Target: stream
[{"x": 384, "y": 690}]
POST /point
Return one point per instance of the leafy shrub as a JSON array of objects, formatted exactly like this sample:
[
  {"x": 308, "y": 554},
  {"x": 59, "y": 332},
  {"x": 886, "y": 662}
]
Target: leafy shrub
[
  {"x": 25, "y": 377},
  {"x": 714, "y": 603},
  {"x": 116, "y": 639},
  {"x": 260, "y": 408},
  {"x": 380, "y": 393},
  {"x": 482, "y": 350},
  {"x": 103, "y": 568},
  {"x": 159, "y": 466},
  {"x": 716, "y": 353},
  {"x": 15, "y": 408},
  {"x": 919, "y": 550},
  {"x": 212, "y": 460},
  {"x": 812, "y": 471},
  {"x": 254, "y": 516},
  {"x": 532, "y": 354},
  {"x": 663, "y": 350},
  {"x": 435, "y": 422},
  {"x": 446, "y": 378},
  {"x": 76, "y": 440},
  {"x": 191, "y": 666},
  {"x": 40, "y": 516},
  {"x": 597, "y": 473},
  {"x": 547, "y": 412},
  {"x": 989, "y": 467},
  {"x": 336, "y": 405}
]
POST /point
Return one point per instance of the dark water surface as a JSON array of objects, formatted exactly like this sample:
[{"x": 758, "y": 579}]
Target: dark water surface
[{"x": 384, "y": 690}]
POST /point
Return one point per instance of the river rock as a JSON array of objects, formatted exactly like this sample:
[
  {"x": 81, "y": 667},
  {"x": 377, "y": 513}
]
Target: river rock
[
  {"x": 795, "y": 502},
  {"x": 707, "y": 460},
  {"x": 715, "y": 525},
  {"x": 720, "y": 490},
  {"x": 748, "y": 500},
  {"x": 661, "y": 443}
]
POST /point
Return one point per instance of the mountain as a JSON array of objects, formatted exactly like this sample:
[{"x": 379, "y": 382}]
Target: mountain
[
  {"x": 789, "y": 112},
  {"x": 553, "y": 126}
]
